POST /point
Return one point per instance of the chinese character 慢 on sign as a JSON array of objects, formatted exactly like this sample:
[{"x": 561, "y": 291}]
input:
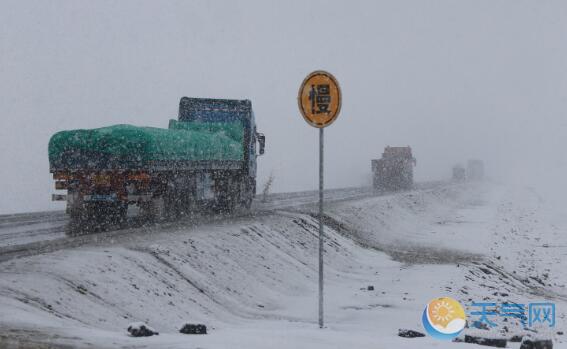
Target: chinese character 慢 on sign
[{"x": 320, "y": 98}]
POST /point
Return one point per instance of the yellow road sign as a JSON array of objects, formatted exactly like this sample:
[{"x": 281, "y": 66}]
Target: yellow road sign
[{"x": 319, "y": 99}]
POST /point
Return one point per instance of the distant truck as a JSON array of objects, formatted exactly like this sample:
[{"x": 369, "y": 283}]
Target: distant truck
[
  {"x": 459, "y": 173},
  {"x": 394, "y": 170},
  {"x": 475, "y": 170},
  {"x": 205, "y": 159}
]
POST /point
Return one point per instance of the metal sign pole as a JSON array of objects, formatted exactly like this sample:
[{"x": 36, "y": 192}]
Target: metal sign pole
[
  {"x": 319, "y": 101},
  {"x": 321, "y": 228}
]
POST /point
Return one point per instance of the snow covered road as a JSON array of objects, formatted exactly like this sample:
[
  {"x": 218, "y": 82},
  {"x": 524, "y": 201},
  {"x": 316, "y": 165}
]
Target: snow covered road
[
  {"x": 34, "y": 233},
  {"x": 21, "y": 229},
  {"x": 252, "y": 279}
]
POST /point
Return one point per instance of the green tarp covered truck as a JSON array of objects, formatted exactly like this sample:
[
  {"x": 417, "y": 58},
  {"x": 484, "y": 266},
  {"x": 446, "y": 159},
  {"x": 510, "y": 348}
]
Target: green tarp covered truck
[{"x": 206, "y": 158}]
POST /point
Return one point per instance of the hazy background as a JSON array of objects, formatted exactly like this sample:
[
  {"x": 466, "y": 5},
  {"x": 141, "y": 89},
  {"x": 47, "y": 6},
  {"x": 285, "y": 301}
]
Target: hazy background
[{"x": 453, "y": 79}]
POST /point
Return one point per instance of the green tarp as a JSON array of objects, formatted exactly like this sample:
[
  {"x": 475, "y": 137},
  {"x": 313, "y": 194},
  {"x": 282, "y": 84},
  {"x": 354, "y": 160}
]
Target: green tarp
[{"x": 186, "y": 141}]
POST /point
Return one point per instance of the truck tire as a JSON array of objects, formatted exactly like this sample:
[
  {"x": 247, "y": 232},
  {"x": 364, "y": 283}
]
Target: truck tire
[
  {"x": 176, "y": 204},
  {"x": 247, "y": 196},
  {"x": 84, "y": 220},
  {"x": 76, "y": 222},
  {"x": 98, "y": 216},
  {"x": 153, "y": 210},
  {"x": 120, "y": 214},
  {"x": 227, "y": 192},
  {"x": 225, "y": 204},
  {"x": 247, "y": 203}
]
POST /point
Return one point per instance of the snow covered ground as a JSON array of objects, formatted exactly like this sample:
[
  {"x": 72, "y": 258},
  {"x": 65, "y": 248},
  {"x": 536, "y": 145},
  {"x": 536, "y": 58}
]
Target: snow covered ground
[{"x": 253, "y": 280}]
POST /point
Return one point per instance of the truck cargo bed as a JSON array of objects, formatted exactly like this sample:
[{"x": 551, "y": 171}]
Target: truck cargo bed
[{"x": 203, "y": 145}]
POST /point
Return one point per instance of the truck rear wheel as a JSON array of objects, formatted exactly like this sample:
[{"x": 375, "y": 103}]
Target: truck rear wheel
[
  {"x": 120, "y": 214},
  {"x": 227, "y": 194},
  {"x": 76, "y": 222},
  {"x": 247, "y": 194},
  {"x": 97, "y": 216},
  {"x": 153, "y": 210},
  {"x": 225, "y": 204}
]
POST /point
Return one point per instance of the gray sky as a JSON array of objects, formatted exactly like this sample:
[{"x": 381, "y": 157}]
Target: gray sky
[{"x": 453, "y": 79}]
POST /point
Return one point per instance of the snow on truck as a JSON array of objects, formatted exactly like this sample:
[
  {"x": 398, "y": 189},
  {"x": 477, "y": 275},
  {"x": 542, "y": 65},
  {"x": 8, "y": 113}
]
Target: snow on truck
[
  {"x": 205, "y": 159},
  {"x": 394, "y": 170}
]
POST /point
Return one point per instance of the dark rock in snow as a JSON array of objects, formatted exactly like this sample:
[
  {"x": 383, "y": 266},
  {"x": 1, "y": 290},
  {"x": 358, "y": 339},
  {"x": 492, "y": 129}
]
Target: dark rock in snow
[
  {"x": 140, "y": 329},
  {"x": 370, "y": 288},
  {"x": 409, "y": 333},
  {"x": 529, "y": 343},
  {"x": 491, "y": 342},
  {"x": 516, "y": 338},
  {"x": 193, "y": 329}
]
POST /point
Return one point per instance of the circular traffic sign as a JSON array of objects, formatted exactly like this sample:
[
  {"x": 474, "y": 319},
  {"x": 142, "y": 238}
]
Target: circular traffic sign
[{"x": 319, "y": 99}]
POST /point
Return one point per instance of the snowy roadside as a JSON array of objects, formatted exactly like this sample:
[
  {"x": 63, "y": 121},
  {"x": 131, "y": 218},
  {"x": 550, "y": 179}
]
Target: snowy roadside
[{"x": 253, "y": 281}]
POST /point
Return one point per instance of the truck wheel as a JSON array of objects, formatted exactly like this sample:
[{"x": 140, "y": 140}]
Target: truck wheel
[
  {"x": 77, "y": 218},
  {"x": 174, "y": 206},
  {"x": 227, "y": 195},
  {"x": 86, "y": 219},
  {"x": 119, "y": 214},
  {"x": 153, "y": 210},
  {"x": 248, "y": 203},
  {"x": 99, "y": 216},
  {"x": 247, "y": 196},
  {"x": 224, "y": 205}
]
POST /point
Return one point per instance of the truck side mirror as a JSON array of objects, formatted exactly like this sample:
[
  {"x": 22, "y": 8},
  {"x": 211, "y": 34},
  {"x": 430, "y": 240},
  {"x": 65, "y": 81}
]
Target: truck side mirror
[{"x": 261, "y": 142}]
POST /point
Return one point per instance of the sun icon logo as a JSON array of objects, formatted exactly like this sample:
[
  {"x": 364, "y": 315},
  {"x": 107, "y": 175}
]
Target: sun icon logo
[
  {"x": 444, "y": 318},
  {"x": 442, "y": 312}
]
